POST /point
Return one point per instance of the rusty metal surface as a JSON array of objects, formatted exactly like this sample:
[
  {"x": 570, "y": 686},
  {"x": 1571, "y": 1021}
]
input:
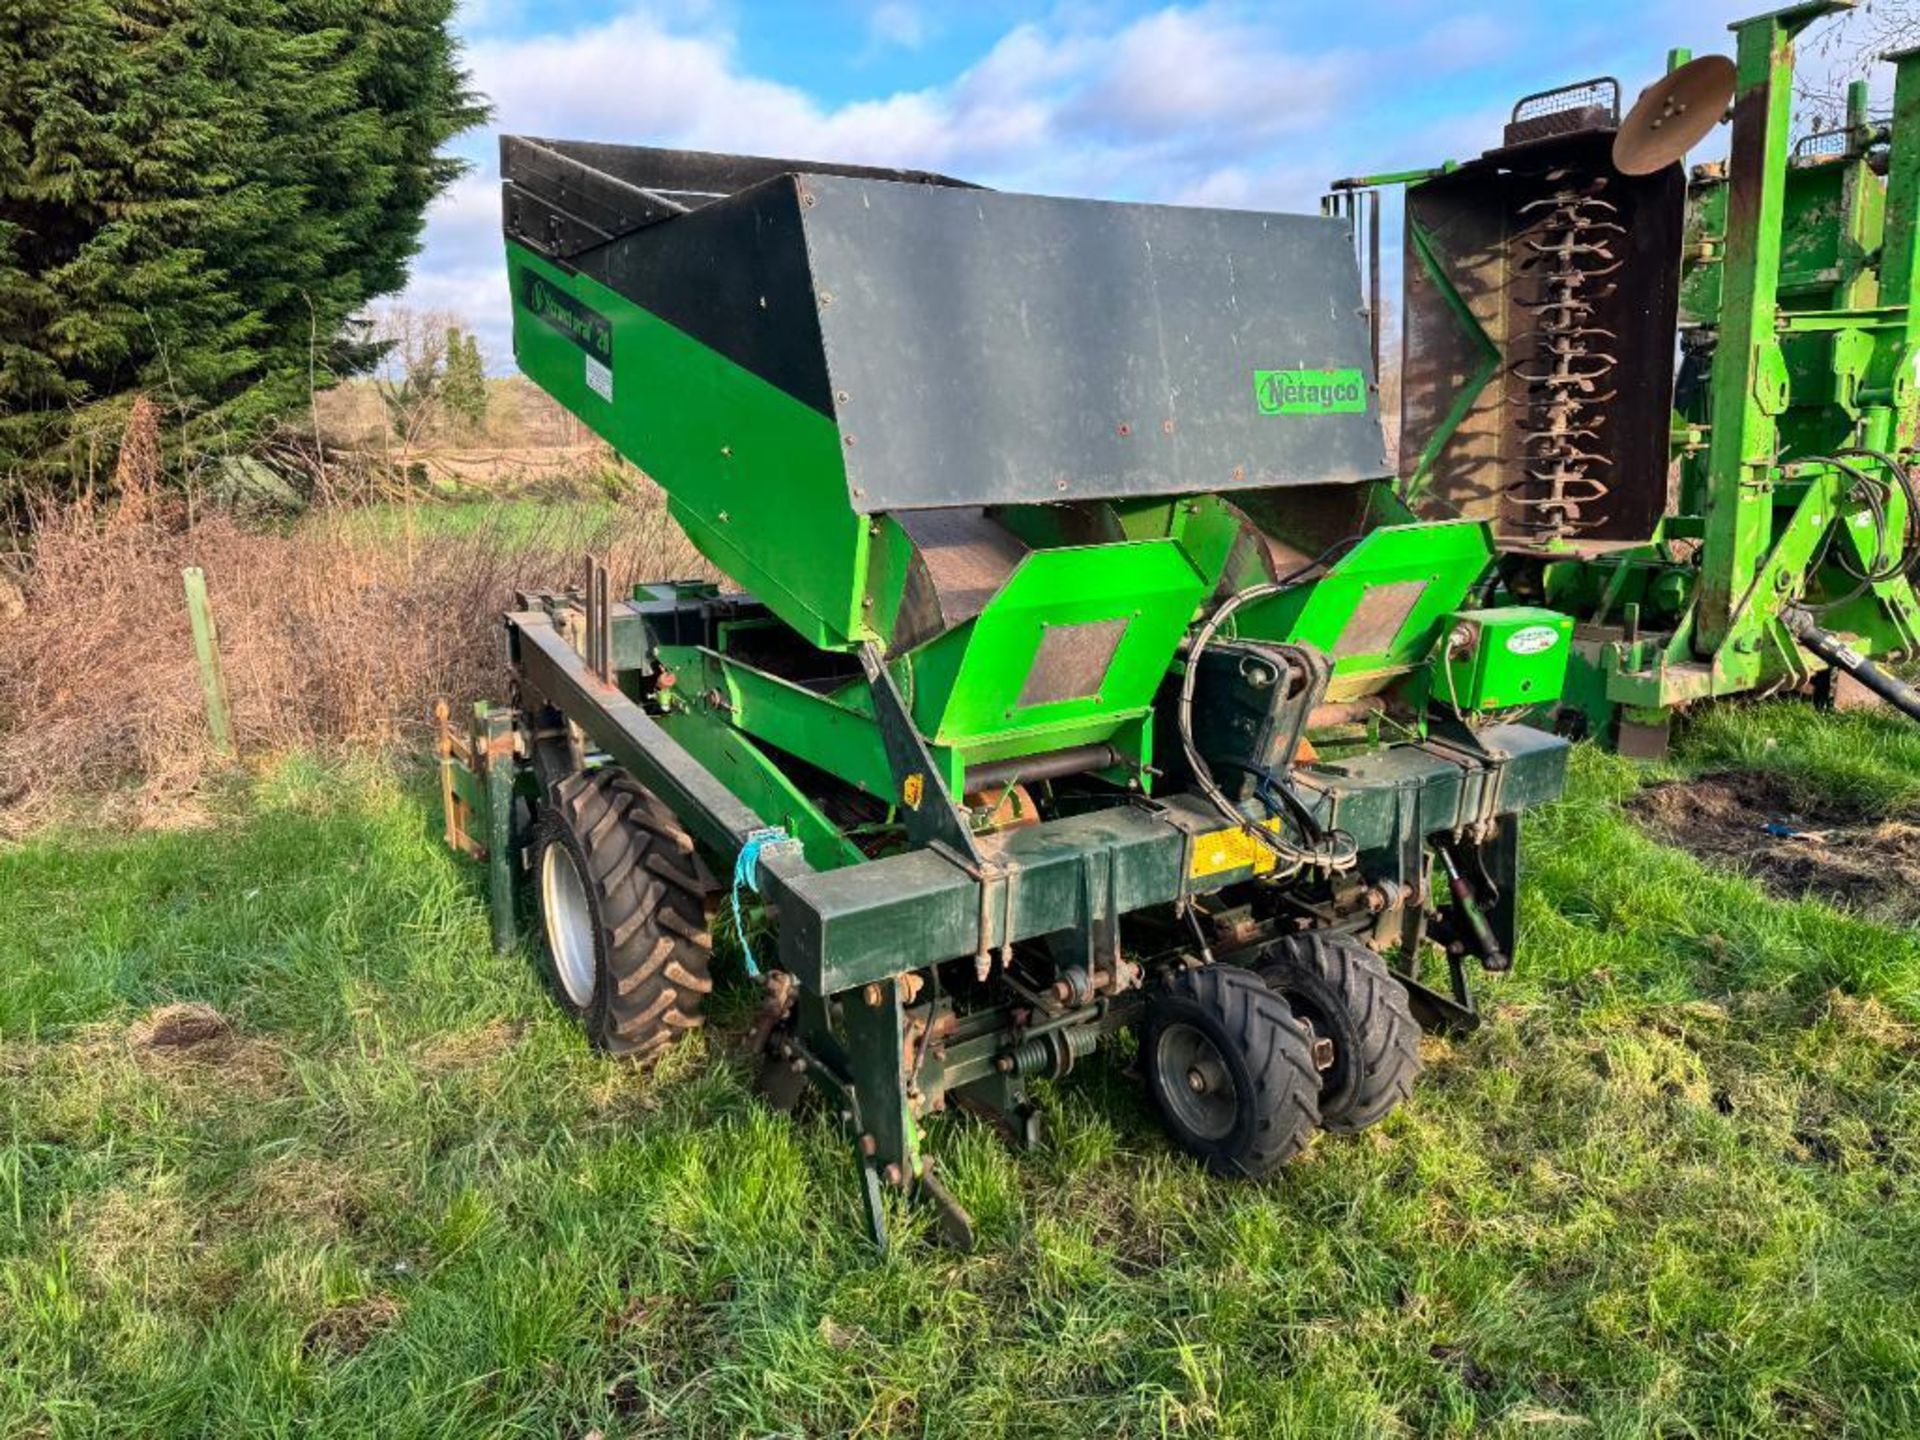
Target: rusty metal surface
[
  {"x": 1586, "y": 105},
  {"x": 1571, "y": 247},
  {"x": 1640, "y": 741},
  {"x": 1572, "y": 272},
  {"x": 1072, "y": 661},
  {"x": 961, "y": 559},
  {"x": 967, "y": 556},
  {"x": 1379, "y": 618},
  {"x": 1466, "y": 231},
  {"x": 1674, "y": 114}
]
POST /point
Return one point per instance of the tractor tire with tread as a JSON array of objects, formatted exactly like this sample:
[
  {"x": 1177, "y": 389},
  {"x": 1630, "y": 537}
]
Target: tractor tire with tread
[
  {"x": 1346, "y": 993},
  {"x": 1231, "y": 1070},
  {"x": 627, "y": 937}
]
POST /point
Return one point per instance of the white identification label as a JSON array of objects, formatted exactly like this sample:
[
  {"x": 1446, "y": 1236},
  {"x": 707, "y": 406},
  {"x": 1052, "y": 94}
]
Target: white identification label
[
  {"x": 1533, "y": 640},
  {"x": 599, "y": 379}
]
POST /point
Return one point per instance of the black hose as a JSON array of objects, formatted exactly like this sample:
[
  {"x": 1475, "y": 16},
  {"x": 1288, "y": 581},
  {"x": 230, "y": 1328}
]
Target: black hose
[
  {"x": 1873, "y": 493},
  {"x": 1905, "y": 476},
  {"x": 1841, "y": 656},
  {"x": 1325, "y": 850}
]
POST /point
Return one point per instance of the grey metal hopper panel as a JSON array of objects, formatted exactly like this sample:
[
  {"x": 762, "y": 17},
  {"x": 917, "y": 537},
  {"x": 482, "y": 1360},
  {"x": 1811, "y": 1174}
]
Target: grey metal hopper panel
[{"x": 989, "y": 348}]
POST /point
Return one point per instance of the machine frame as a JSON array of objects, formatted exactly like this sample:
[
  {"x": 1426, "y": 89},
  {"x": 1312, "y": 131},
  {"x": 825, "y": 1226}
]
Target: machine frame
[
  {"x": 1794, "y": 433},
  {"x": 927, "y": 754}
]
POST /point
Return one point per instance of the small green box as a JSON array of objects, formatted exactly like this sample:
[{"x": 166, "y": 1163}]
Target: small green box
[{"x": 1502, "y": 658}]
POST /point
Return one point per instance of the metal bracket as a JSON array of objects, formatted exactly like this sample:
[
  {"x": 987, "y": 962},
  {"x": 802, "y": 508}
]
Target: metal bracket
[
  {"x": 1438, "y": 1014},
  {"x": 599, "y": 639},
  {"x": 956, "y": 1225},
  {"x": 927, "y": 806}
]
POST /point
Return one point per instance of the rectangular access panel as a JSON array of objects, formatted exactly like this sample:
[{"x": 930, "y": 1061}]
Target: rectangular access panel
[{"x": 988, "y": 348}]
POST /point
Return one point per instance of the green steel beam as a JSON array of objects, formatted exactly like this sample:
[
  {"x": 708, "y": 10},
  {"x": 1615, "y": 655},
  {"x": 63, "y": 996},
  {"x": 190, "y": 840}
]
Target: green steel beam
[
  {"x": 1395, "y": 177},
  {"x": 1894, "y": 374},
  {"x": 1749, "y": 373},
  {"x": 750, "y": 773}
]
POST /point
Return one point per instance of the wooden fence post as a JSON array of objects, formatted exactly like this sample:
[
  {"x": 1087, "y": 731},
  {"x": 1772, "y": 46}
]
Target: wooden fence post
[{"x": 206, "y": 649}]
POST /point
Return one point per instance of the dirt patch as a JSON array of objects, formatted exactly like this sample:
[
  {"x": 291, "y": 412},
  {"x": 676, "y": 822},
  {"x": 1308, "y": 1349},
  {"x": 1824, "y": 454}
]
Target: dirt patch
[
  {"x": 1752, "y": 822},
  {"x": 178, "y": 1027},
  {"x": 345, "y": 1330},
  {"x": 194, "y": 1047}
]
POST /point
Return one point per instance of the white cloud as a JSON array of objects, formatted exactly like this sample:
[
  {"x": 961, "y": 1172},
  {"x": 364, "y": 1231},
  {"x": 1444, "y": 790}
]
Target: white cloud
[
  {"x": 1210, "y": 103},
  {"x": 900, "y": 24}
]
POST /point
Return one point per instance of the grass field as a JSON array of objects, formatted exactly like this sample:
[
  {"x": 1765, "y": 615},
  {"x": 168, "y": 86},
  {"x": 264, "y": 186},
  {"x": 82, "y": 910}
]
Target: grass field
[{"x": 1669, "y": 1190}]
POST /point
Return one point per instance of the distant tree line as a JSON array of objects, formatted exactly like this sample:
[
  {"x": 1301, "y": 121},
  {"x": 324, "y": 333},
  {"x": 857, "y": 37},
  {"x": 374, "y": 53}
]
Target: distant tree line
[
  {"x": 430, "y": 375},
  {"x": 197, "y": 197}
]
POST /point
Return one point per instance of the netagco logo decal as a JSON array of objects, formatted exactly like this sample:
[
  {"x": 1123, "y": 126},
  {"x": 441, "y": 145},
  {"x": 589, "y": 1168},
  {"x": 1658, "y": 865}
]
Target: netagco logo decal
[
  {"x": 1310, "y": 392},
  {"x": 588, "y": 329}
]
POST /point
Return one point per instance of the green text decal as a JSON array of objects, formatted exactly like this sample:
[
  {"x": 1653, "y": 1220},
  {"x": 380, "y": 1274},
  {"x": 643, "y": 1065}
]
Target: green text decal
[
  {"x": 588, "y": 329},
  {"x": 1310, "y": 392}
]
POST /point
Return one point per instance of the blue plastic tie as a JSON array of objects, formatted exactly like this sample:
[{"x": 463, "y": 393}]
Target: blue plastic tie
[{"x": 746, "y": 875}]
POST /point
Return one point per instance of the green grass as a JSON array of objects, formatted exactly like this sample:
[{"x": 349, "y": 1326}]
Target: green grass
[
  {"x": 513, "y": 523},
  {"x": 1863, "y": 758},
  {"x": 1669, "y": 1189}
]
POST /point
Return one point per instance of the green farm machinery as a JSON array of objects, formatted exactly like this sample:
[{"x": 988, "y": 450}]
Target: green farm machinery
[
  {"x": 1092, "y": 677},
  {"x": 1684, "y": 402}
]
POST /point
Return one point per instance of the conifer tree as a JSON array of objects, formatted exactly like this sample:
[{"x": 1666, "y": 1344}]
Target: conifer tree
[
  {"x": 464, "y": 386},
  {"x": 196, "y": 196}
]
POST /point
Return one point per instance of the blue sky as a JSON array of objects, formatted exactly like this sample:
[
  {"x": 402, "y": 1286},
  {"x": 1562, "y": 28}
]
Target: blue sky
[{"x": 1223, "y": 102}]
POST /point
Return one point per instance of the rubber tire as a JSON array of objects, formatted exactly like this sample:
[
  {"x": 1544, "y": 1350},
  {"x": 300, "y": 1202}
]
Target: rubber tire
[
  {"x": 647, "y": 894},
  {"x": 1347, "y": 994},
  {"x": 1267, "y": 1054}
]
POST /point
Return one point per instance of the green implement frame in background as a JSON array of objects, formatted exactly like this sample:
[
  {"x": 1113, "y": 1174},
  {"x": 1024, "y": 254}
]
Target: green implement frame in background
[{"x": 1793, "y": 424}]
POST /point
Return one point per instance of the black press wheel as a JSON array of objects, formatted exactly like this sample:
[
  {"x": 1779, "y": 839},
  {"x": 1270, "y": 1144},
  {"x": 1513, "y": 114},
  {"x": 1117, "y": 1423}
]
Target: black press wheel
[
  {"x": 623, "y": 909},
  {"x": 1231, "y": 1070},
  {"x": 1345, "y": 992}
]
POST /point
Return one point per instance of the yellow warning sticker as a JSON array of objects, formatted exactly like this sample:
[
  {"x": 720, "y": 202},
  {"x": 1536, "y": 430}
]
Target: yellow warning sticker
[
  {"x": 912, "y": 788},
  {"x": 1219, "y": 851}
]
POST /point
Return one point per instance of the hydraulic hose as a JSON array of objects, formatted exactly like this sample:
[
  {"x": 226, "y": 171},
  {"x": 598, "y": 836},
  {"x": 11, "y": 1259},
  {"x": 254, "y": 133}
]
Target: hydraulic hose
[
  {"x": 1332, "y": 851},
  {"x": 1904, "y": 478},
  {"x": 1830, "y": 648}
]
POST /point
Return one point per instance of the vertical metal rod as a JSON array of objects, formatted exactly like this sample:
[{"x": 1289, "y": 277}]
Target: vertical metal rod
[
  {"x": 496, "y": 730},
  {"x": 590, "y": 593},
  {"x": 603, "y": 596},
  {"x": 206, "y": 650},
  {"x": 1373, "y": 278}
]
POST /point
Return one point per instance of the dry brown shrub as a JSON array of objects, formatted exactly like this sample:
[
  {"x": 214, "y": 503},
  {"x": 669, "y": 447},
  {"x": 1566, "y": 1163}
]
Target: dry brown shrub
[
  {"x": 332, "y": 631},
  {"x": 138, "y": 467}
]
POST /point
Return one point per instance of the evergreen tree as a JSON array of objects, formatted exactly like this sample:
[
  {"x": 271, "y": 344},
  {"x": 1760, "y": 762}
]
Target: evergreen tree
[
  {"x": 464, "y": 386},
  {"x": 196, "y": 196}
]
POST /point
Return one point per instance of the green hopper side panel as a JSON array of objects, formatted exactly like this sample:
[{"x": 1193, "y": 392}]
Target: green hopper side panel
[
  {"x": 1074, "y": 645},
  {"x": 1380, "y": 609},
  {"x": 790, "y": 353},
  {"x": 753, "y": 474}
]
